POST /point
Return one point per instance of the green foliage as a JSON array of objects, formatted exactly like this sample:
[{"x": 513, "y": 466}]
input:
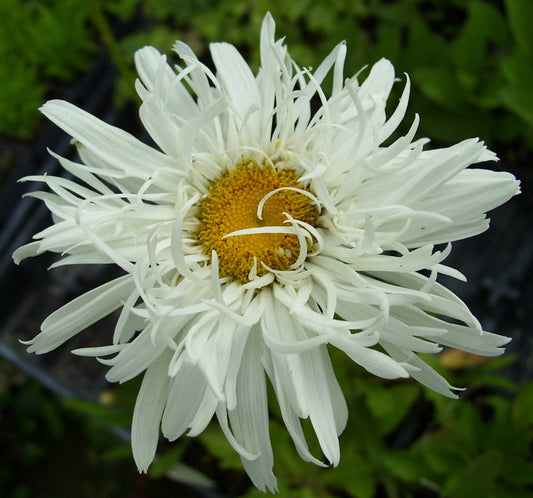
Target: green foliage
[
  {"x": 479, "y": 446},
  {"x": 21, "y": 95},
  {"x": 51, "y": 446},
  {"x": 40, "y": 43},
  {"x": 401, "y": 440},
  {"x": 478, "y": 450},
  {"x": 30, "y": 422},
  {"x": 470, "y": 62},
  {"x": 45, "y": 44}
]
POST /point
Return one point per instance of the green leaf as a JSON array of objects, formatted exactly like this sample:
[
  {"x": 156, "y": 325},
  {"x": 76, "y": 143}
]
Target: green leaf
[
  {"x": 419, "y": 36},
  {"x": 166, "y": 461},
  {"x": 404, "y": 465},
  {"x": 440, "y": 86},
  {"x": 362, "y": 483},
  {"x": 444, "y": 452},
  {"x": 355, "y": 474},
  {"x": 516, "y": 464},
  {"x": 61, "y": 52},
  {"x": 522, "y": 408},
  {"x": 390, "y": 404},
  {"x": 388, "y": 42},
  {"x": 494, "y": 381},
  {"x": 470, "y": 49},
  {"x": 447, "y": 126},
  {"x": 22, "y": 93},
  {"x": 517, "y": 70},
  {"x": 109, "y": 416},
  {"x": 519, "y": 100},
  {"x": 477, "y": 479},
  {"x": 160, "y": 37},
  {"x": 520, "y": 14},
  {"x": 321, "y": 17},
  {"x": 123, "y": 9},
  {"x": 119, "y": 451}
]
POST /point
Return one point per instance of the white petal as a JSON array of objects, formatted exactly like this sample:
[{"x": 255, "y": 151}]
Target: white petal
[
  {"x": 204, "y": 414},
  {"x": 422, "y": 372},
  {"x": 78, "y": 314},
  {"x": 239, "y": 83},
  {"x": 186, "y": 392},
  {"x": 111, "y": 144},
  {"x": 148, "y": 411},
  {"x": 239, "y": 342},
  {"x": 214, "y": 361},
  {"x": 374, "y": 361},
  {"x": 99, "y": 350},
  {"x": 380, "y": 80},
  {"x": 249, "y": 419},
  {"x": 326, "y": 423},
  {"x": 281, "y": 380},
  {"x": 161, "y": 127},
  {"x": 136, "y": 356},
  {"x": 397, "y": 116},
  {"x": 27, "y": 251},
  {"x": 484, "y": 344},
  {"x": 161, "y": 81}
]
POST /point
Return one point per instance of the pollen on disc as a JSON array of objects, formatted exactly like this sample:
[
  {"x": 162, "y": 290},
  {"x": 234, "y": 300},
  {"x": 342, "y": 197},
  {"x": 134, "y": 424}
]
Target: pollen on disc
[{"x": 231, "y": 205}]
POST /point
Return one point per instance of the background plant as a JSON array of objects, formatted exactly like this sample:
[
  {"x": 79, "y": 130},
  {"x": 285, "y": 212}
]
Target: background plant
[{"x": 470, "y": 62}]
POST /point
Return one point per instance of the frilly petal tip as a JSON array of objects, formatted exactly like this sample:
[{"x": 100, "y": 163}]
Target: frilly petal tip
[
  {"x": 487, "y": 155},
  {"x": 32, "y": 348},
  {"x": 142, "y": 469},
  {"x": 50, "y": 104}
]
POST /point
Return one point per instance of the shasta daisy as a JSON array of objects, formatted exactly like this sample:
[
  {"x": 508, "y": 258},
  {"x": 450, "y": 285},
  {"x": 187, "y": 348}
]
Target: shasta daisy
[{"x": 257, "y": 234}]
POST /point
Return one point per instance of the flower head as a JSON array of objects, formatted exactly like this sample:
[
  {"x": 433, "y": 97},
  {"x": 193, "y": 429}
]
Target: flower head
[{"x": 257, "y": 235}]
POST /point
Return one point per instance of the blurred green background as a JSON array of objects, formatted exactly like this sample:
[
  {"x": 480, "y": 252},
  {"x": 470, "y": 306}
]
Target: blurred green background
[
  {"x": 471, "y": 66},
  {"x": 471, "y": 62}
]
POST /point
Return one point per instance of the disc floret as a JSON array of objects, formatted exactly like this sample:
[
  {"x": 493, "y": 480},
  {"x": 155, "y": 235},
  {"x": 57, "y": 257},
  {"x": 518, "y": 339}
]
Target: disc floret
[{"x": 253, "y": 218}]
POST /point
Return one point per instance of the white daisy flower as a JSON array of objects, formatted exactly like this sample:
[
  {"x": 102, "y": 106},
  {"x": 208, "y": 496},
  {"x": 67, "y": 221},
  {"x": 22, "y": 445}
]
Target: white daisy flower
[{"x": 257, "y": 235}]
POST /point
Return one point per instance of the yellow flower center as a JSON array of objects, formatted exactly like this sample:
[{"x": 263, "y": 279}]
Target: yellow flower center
[{"x": 232, "y": 204}]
